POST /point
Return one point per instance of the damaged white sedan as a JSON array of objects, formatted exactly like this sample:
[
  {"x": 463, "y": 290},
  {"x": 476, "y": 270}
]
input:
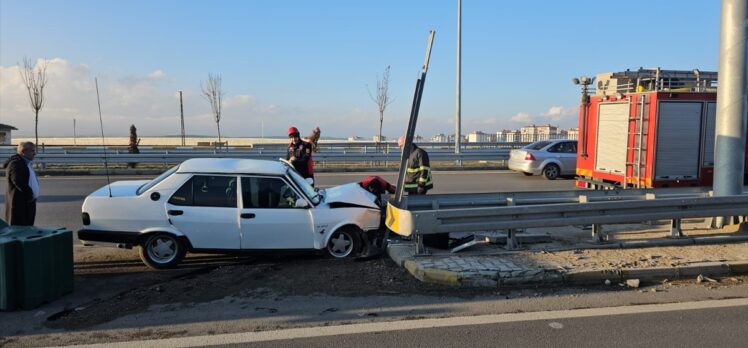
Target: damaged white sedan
[{"x": 227, "y": 205}]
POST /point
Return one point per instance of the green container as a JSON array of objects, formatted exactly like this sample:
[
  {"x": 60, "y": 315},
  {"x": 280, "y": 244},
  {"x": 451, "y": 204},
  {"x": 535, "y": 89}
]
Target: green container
[
  {"x": 46, "y": 266},
  {"x": 37, "y": 265},
  {"x": 9, "y": 254}
]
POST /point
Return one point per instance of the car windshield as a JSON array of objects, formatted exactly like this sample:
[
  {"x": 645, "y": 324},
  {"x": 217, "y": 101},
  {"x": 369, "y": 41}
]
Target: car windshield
[
  {"x": 158, "y": 179},
  {"x": 537, "y": 145},
  {"x": 309, "y": 191}
]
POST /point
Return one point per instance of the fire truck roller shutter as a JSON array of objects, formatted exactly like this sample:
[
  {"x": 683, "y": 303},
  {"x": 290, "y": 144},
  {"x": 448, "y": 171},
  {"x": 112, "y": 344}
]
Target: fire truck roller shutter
[
  {"x": 610, "y": 154},
  {"x": 677, "y": 152},
  {"x": 709, "y": 129}
]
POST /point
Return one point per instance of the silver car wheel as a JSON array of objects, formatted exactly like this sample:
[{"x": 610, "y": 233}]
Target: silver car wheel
[
  {"x": 162, "y": 249},
  {"x": 551, "y": 171},
  {"x": 340, "y": 244}
]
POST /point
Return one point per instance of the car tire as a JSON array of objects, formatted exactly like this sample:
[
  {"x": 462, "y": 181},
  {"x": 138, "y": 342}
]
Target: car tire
[
  {"x": 162, "y": 250},
  {"x": 551, "y": 171},
  {"x": 527, "y": 174},
  {"x": 344, "y": 243}
]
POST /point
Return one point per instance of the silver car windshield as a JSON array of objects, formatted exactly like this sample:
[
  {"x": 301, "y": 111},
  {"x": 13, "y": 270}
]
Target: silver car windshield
[
  {"x": 309, "y": 191},
  {"x": 157, "y": 180}
]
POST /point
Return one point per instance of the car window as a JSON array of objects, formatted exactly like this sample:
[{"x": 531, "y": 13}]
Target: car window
[
  {"x": 207, "y": 191},
  {"x": 537, "y": 145},
  {"x": 267, "y": 193},
  {"x": 147, "y": 186},
  {"x": 563, "y": 147}
]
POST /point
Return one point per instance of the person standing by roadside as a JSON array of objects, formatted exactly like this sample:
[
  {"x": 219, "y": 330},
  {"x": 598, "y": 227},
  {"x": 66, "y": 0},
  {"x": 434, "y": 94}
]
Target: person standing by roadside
[
  {"x": 299, "y": 154},
  {"x": 418, "y": 171},
  {"x": 22, "y": 186}
]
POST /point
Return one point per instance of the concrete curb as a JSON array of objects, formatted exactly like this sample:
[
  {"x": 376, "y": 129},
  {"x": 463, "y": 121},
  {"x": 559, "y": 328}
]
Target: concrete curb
[{"x": 402, "y": 254}]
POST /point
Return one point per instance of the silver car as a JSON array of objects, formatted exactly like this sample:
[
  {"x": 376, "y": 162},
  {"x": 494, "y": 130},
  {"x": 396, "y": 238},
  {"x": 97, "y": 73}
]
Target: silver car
[{"x": 551, "y": 158}]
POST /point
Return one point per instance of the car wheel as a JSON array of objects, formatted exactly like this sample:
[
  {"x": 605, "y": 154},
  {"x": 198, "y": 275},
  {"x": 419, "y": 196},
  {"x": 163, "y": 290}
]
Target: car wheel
[
  {"x": 343, "y": 243},
  {"x": 527, "y": 174},
  {"x": 161, "y": 251},
  {"x": 551, "y": 172}
]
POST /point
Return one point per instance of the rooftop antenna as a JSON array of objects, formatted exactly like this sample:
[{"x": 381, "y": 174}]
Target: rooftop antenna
[{"x": 103, "y": 142}]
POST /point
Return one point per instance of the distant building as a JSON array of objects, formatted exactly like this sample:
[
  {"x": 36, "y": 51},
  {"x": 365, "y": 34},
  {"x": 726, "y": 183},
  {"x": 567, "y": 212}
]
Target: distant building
[
  {"x": 5, "y": 133},
  {"x": 377, "y": 139},
  {"x": 480, "y": 137},
  {"x": 531, "y": 133},
  {"x": 572, "y": 133},
  {"x": 355, "y": 138},
  {"x": 440, "y": 138}
]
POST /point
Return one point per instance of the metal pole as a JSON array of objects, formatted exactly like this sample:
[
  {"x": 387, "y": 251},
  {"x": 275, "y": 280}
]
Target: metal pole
[
  {"x": 75, "y": 135},
  {"x": 181, "y": 117},
  {"x": 458, "y": 126},
  {"x": 729, "y": 149}
]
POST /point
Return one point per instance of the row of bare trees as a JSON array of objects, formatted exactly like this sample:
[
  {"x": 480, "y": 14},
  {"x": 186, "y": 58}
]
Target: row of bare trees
[{"x": 34, "y": 77}]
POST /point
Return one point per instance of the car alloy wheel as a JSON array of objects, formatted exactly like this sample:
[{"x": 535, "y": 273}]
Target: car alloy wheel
[
  {"x": 341, "y": 244},
  {"x": 161, "y": 250},
  {"x": 551, "y": 172}
]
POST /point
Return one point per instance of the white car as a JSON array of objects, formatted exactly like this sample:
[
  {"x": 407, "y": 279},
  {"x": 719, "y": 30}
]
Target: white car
[{"x": 225, "y": 205}]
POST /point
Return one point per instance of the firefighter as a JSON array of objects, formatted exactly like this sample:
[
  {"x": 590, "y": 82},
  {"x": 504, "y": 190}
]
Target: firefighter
[
  {"x": 300, "y": 154},
  {"x": 418, "y": 172}
]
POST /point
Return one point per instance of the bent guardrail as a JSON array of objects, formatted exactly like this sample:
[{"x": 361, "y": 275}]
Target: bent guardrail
[{"x": 510, "y": 211}]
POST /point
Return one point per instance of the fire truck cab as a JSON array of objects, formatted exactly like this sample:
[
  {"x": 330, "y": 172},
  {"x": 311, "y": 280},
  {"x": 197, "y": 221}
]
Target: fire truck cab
[{"x": 647, "y": 128}]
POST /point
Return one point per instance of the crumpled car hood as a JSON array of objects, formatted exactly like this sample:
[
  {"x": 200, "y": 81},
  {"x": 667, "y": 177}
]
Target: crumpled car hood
[{"x": 351, "y": 193}]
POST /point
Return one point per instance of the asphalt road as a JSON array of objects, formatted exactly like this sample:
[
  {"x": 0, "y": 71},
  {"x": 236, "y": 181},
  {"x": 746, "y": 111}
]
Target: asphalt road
[{"x": 62, "y": 196}]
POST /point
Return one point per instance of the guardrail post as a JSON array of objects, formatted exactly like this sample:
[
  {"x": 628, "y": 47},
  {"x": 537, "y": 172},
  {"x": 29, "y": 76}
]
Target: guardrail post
[
  {"x": 511, "y": 234},
  {"x": 675, "y": 230}
]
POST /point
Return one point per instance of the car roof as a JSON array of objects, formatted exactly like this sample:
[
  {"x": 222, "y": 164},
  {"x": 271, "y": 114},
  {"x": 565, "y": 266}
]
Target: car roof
[{"x": 232, "y": 166}]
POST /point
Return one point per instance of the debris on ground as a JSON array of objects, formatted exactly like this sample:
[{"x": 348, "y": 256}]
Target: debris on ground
[
  {"x": 632, "y": 283},
  {"x": 701, "y": 278}
]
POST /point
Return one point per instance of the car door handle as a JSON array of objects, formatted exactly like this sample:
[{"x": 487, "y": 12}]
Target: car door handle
[
  {"x": 248, "y": 215},
  {"x": 175, "y": 212}
]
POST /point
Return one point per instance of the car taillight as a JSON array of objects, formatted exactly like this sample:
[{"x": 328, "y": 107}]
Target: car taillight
[{"x": 529, "y": 157}]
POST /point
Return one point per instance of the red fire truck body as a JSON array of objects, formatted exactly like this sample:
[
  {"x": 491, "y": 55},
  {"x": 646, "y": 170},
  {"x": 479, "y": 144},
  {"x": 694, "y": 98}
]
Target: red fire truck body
[{"x": 648, "y": 128}]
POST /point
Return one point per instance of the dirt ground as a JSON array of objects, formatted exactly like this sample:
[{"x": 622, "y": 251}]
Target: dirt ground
[{"x": 208, "y": 278}]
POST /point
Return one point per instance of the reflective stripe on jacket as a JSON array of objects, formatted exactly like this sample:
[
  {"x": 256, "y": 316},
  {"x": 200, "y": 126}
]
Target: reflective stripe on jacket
[{"x": 418, "y": 170}]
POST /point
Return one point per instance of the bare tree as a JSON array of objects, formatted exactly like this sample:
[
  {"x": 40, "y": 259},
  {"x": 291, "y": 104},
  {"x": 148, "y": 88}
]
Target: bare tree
[
  {"x": 382, "y": 97},
  {"x": 214, "y": 95},
  {"x": 35, "y": 79}
]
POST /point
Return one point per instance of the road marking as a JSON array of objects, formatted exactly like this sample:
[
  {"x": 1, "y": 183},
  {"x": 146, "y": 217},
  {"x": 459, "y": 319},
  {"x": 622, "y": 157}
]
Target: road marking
[{"x": 321, "y": 331}]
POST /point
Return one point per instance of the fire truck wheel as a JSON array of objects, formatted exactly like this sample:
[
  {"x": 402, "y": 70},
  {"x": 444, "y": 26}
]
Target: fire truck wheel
[{"x": 551, "y": 171}]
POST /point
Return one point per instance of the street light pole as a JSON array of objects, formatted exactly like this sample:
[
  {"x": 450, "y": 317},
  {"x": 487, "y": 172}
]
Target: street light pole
[
  {"x": 181, "y": 117},
  {"x": 729, "y": 149},
  {"x": 458, "y": 126},
  {"x": 75, "y": 135}
]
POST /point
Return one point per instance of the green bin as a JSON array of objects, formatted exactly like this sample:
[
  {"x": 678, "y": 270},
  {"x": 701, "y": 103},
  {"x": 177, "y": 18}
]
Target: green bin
[
  {"x": 9, "y": 254},
  {"x": 41, "y": 268}
]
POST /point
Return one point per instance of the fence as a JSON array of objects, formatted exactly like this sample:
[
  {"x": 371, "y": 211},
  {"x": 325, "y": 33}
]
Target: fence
[{"x": 329, "y": 153}]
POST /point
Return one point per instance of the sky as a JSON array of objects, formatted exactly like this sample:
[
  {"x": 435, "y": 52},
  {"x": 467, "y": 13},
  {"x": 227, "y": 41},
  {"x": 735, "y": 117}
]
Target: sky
[{"x": 312, "y": 63}]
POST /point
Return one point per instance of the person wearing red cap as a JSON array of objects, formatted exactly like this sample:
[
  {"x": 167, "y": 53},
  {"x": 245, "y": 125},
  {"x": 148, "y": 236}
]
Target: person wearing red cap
[{"x": 300, "y": 154}]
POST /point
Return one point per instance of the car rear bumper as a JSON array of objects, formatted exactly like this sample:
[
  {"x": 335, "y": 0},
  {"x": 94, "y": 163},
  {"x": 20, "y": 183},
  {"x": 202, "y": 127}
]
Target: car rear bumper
[
  {"x": 108, "y": 236},
  {"x": 524, "y": 166}
]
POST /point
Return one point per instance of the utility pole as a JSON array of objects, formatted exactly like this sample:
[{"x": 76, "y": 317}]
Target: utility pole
[
  {"x": 75, "y": 135},
  {"x": 181, "y": 117},
  {"x": 458, "y": 126},
  {"x": 729, "y": 149}
]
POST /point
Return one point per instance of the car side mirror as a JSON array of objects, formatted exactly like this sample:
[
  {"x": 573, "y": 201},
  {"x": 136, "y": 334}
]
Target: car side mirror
[{"x": 301, "y": 203}]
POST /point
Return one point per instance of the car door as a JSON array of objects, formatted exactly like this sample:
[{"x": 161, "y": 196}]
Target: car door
[
  {"x": 205, "y": 209},
  {"x": 269, "y": 218},
  {"x": 565, "y": 153}
]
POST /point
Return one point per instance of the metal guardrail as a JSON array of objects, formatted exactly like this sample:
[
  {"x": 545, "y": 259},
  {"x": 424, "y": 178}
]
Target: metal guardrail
[
  {"x": 330, "y": 153},
  {"x": 420, "y": 215}
]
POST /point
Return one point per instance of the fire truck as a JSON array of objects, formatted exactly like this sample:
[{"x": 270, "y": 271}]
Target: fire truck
[{"x": 647, "y": 128}]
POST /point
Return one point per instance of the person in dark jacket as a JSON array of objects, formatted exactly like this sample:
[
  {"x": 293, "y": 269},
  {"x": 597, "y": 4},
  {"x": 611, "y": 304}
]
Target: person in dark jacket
[
  {"x": 299, "y": 154},
  {"x": 418, "y": 171},
  {"x": 22, "y": 187}
]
